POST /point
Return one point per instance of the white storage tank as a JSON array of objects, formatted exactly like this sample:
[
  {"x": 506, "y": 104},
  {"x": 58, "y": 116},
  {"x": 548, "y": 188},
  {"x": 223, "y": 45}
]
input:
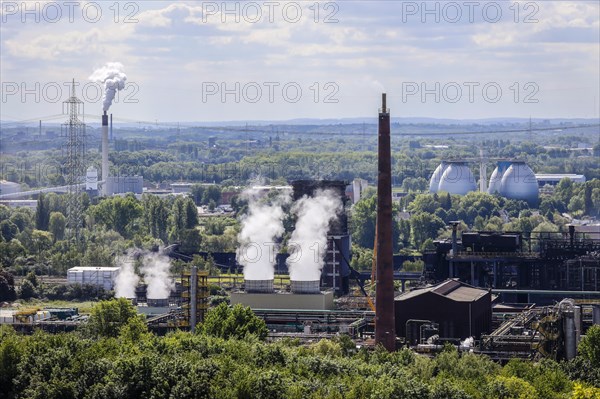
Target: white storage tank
[
  {"x": 519, "y": 182},
  {"x": 496, "y": 177},
  {"x": 457, "y": 179},
  {"x": 436, "y": 177}
]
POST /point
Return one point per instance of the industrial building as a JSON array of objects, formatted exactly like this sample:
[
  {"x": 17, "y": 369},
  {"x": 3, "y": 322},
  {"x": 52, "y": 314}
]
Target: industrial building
[
  {"x": 124, "y": 184},
  {"x": 552, "y": 179},
  {"x": 458, "y": 309},
  {"x": 521, "y": 267},
  {"x": 103, "y": 277}
]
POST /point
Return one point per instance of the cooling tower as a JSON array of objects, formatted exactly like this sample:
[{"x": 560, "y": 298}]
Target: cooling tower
[
  {"x": 305, "y": 287},
  {"x": 434, "y": 182},
  {"x": 457, "y": 179},
  {"x": 519, "y": 182},
  {"x": 258, "y": 286}
]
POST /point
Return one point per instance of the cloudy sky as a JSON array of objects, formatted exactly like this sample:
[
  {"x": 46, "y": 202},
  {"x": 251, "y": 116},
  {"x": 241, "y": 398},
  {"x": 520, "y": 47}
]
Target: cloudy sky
[{"x": 273, "y": 60}]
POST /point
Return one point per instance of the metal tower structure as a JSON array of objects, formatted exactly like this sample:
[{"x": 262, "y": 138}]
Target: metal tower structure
[{"x": 74, "y": 150}]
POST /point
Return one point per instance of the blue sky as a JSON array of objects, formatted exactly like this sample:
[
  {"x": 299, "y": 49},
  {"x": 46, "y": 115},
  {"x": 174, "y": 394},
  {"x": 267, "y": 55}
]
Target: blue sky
[{"x": 435, "y": 59}]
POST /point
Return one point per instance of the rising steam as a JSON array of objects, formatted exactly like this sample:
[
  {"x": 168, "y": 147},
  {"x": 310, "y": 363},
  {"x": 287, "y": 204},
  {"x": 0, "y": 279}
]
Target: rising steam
[
  {"x": 126, "y": 280},
  {"x": 309, "y": 239},
  {"x": 156, "y": 275},
  {"x": 113, "y": 78},
  {"x": 261, "y": 227}
]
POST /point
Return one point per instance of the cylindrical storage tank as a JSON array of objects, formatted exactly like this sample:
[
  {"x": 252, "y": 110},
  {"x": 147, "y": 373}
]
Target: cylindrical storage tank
[
  {"x": 258, "y": 286},
  {"x": 457, "y": 179},
  {"x": 519, "y": 183},
  {"x": 305, "y": 287},
  {"x": 436, "y": 177},
  {"x": 496, "y": 177},
  {"x": 569, "y": 334}
]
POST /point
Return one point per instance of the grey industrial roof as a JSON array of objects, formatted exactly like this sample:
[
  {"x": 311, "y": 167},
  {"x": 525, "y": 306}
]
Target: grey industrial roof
[{"x": 452, "y": 289}]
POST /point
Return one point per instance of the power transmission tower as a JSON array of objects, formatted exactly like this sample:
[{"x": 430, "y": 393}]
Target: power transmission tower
[{"x": 74, "y": 132}]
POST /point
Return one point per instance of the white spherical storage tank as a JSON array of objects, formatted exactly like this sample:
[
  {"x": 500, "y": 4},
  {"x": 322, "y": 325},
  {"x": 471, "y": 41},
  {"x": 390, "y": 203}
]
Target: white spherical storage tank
[
  {"x": 519, "y": 182},
  {"x": 457, "y": 179},
  {"x": 436, "y": 177},
  {"x": 496, "y": 177}
]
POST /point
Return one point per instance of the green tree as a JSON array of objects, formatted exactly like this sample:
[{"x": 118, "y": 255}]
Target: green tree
[
  {"x": 57, "y": 225},
  {"x": 7, "y": 286},
  {"x": 211, "y": 193},
  {"x": 589, "y": 347},
  {"x": 119, "y": 214},
  {"x": 108, "y": 317},
  {"x": 424, "y": 226},
  {"x": 233, "y": 322},
  {"x": 42, "y": 213},
  {"x": 364, "y": 218},
  {"x": 28, "y": 290},
  {"x": 8, "y": 230}
]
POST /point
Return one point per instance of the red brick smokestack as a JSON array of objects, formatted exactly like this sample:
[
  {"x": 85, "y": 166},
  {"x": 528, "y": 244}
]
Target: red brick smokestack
[{"x": 385, "y": 331}]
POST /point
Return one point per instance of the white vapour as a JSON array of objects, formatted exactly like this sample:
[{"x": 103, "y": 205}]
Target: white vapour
[
  {"x": 113, "y": 78},
  {"x": 308, "y": 242},
  {"x": 156, "y": 275},
  {"x": 126, "y": 280},
  {"x": 261, "y": 227}
]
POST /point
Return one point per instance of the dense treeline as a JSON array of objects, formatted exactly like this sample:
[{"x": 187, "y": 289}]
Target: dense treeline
[
  {"x": 115, "y": 357},
  {"x": 39, "y": 241},
  {"x": 232, "y": 162}
]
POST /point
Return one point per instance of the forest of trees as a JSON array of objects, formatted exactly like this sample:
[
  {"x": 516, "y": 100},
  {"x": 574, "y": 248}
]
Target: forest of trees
[{"x": 114, "y": 356}]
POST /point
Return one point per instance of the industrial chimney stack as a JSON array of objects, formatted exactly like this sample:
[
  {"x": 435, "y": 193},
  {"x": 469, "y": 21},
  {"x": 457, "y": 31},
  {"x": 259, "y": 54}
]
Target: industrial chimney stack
[
  {"x": 385, "y": 331},
  {"x": 105, "y": 150}
]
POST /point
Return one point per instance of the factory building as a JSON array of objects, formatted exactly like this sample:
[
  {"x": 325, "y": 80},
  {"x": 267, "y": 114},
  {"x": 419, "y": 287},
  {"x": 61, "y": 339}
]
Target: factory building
[
  {"x": 124, "y": 185},
  {"x": 552, "y": 179},
  {"x": 459, "y": 310},
  {"x": 103, "y": 277}
]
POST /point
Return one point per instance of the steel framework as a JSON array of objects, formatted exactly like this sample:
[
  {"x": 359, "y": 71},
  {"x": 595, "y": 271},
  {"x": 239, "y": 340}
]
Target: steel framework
[{"x": 74, "y": 151}]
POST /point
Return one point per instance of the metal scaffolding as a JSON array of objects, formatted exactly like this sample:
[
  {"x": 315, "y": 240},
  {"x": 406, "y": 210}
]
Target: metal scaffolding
[{"x": 74, "y": 151}]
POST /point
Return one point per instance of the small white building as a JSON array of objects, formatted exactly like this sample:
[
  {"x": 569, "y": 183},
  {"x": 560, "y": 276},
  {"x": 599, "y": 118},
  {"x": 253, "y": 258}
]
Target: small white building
[{"x": 103, "y": 277}]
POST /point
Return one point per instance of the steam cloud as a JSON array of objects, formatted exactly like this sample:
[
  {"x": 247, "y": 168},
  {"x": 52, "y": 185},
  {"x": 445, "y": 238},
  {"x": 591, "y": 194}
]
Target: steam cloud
[
  {"x": 260, "y": 228},
  {"x": 309, "y": 238},
  {"x": 126, "y": 281},
  {"x": 113, "y": 78},
  {"x": 156, "y": 275}
]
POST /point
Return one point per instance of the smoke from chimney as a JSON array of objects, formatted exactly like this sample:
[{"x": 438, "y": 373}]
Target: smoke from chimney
[
  {"x": 113, "y": 78},
  {"x": 309, "y": 239},
  {"x": 261, "y": 227}
]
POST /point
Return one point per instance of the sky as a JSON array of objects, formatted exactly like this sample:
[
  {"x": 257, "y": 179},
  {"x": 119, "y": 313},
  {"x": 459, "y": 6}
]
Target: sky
[{"x": 275, "y": 60}]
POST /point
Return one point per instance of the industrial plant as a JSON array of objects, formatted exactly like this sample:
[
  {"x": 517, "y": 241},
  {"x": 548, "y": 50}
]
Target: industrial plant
[{"x": 497, "y": 293}]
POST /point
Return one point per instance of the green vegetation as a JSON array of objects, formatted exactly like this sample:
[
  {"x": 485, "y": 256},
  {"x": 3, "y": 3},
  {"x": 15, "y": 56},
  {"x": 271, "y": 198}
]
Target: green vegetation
[{"x": 116, "y": 357}]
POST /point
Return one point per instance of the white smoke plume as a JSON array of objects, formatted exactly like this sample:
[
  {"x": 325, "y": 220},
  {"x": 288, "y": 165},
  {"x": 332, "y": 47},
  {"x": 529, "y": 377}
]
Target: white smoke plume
[
  {"x": 261, "y": 227},
  {"x": 156, "y": 275},
  {"x": 308, "y": 242},
  {"x": 113, "y": 78},
  {"x": 126, "y": 280}
]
